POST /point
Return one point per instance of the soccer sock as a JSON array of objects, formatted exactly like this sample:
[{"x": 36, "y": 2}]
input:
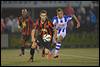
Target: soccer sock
[
  {"x": 43, "y": 52},
  {"x": 22, "y": 50},
  {"x": 58, "y": 45},
  {"x": 32, "y": 51},
  {"x": 23, "y": 47}
]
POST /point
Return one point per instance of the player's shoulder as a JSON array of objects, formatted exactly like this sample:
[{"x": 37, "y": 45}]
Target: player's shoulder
[
  {"x": 65, "y": 16},
  {"x": 55, "y": 17}
]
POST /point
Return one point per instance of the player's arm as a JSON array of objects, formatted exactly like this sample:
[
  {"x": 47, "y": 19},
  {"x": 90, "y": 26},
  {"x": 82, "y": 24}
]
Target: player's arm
[
  {"x": 37, "y": 28},
  {"x": 33, "y": 35},
  {"x": 31, "y": 22},
  {"x": 19, "y": 24},
  {"x": 37, "y": 24},
  {"x": 54, "y": 28},
  {"x": 78, "y": 23},
  {"x": 50, "y": 24},
  {"x": 33, "y": 39}
]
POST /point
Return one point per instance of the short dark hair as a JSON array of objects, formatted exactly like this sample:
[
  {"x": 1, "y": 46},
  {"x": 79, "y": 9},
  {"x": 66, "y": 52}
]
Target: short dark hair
[
  {"x": 43, "y": 11},
  {"x": 24, "y": 9},
  {"x": 59, "y": 9}
]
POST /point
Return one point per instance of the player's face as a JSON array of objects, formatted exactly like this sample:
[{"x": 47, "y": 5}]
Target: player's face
[
  {"x": 43, "y": 16},
  {"x": 24, "y": 13},
  {"x": 60, "y": 14}
]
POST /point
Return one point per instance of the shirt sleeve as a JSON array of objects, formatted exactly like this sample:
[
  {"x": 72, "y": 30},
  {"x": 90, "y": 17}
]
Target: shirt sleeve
[
  {"x": 69, "y": 18},
  {"x": 31, "y": 22},
  {"x": 54, "y": 20}
]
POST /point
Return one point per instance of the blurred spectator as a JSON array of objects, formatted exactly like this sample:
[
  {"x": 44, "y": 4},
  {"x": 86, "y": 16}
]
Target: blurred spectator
[
  {"x": 8, "y": 24},
  {"x": 92, "y": 19},
  {"x": 69, "y": 10},
  {"x": 15, "y": 24},
  {"x": 92, "y": 16},
  {"x": 92, "y": 7},
  {"x": 2, "y": 25},
  {"x": 82, "y": 13},
  {"x": 35, "y": 2}
]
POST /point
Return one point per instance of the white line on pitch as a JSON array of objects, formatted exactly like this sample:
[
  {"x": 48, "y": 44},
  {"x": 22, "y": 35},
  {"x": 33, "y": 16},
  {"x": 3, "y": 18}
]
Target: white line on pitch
[{"x": 80, "y": 56}]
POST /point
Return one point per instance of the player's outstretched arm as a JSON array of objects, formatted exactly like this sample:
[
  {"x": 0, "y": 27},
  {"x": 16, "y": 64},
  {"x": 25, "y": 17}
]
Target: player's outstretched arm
[{"x": 78, "y": 23}]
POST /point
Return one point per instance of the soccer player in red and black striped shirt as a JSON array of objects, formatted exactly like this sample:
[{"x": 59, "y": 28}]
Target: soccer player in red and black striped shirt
[
  {"x": 43, "y": 26},
  {"x": 25, "y": 26}
]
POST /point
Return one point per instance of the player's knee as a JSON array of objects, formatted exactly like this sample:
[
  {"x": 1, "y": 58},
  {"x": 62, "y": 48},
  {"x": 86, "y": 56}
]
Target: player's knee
[
  {"x": 46, "y": 51},
  {"x": 59, "y": 39},
  {"x": 33, "y": 45}
]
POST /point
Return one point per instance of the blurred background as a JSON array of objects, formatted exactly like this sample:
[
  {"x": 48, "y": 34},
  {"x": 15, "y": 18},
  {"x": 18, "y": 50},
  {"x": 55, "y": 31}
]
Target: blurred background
[{"x": 87, "y": 12}]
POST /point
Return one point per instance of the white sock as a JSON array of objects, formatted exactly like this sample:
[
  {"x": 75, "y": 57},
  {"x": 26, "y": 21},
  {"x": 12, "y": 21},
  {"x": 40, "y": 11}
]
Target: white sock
[{"x": 58, "y": 45}]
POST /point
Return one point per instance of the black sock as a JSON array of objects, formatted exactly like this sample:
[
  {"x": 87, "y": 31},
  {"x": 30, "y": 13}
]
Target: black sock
[
  {"x": 43, "y": 51},
  {"x": 32, "y": 51},
  {"x": 22, "y": 50}
]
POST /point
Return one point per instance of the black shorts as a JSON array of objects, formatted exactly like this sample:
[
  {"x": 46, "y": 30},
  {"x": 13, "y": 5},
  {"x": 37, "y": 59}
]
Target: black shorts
[
  {"x": 43, "y": 44},
  {"x": 47, "y": 45}
]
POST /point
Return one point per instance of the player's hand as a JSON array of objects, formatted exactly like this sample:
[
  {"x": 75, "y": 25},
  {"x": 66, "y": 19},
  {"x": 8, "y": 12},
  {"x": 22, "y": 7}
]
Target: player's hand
[
  {"x": 78, "y": 25},
  {"x": 19, "y": 27},
  {"x": 19, "y": 30}
]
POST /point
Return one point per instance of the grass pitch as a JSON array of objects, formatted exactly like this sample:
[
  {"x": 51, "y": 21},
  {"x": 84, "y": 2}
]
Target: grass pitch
[{"x": 68, "y": 57}]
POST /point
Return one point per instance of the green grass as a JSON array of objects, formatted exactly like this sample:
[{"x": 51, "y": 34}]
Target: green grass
[{"x": 68, "y": 57}]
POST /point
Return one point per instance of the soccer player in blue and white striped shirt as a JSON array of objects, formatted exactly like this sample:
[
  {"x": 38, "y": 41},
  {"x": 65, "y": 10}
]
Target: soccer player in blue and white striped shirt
[{"x": 60, "y": 25}]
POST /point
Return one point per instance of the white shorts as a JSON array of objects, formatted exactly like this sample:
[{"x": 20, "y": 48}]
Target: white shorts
[{"x": 61, "y": 32}]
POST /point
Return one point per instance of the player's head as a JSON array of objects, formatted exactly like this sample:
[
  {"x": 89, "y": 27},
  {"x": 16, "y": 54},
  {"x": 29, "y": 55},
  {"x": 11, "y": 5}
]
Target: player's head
[
  {"x": 59, "y": 13},
  {"x": 24, "y": 12},
  {"x": 43, "y": 15}
]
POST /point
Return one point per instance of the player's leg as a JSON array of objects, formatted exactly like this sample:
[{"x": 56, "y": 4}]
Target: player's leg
[
  {"x": 43, "y": 52},
  {"x": 47, "y": 49},
  {"x": 23, "y": 40},
  {"x": 32, "y": 51},
  {"x": 58, "y": 44},
  {"x": 33, "y": 46},
  {"x": 37, "y": 47},
  {"x": 42, "y": 44},
  {"x": 47, "y": 53},
  {"x": 54, "y": 39}
]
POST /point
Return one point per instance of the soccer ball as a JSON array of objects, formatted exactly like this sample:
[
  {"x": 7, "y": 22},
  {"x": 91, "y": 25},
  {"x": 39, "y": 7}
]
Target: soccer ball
[{"x": 47, "y": 38}]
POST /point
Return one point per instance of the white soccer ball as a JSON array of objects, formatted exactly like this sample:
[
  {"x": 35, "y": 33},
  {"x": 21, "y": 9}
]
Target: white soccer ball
[{"x": 47, "y": 38}]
